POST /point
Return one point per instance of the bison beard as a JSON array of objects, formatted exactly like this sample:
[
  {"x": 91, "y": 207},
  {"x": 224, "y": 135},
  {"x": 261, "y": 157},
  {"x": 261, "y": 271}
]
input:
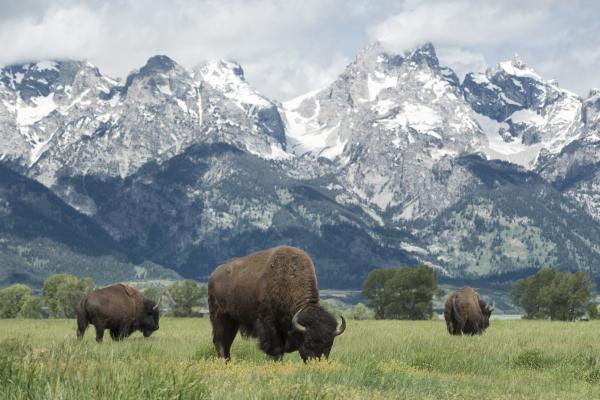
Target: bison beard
[
  {"x": 466, "y": 313},
  {"x": 119, "y": 308},
  {"x": 271, "y": 295}
]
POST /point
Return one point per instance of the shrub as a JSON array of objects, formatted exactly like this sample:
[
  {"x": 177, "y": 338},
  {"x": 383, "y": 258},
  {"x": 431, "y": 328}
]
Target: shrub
[
  {"x": 185, "y": 296},
  {"x": 12, "y": 299},
  {"x": 32, "y": 308},
  {"x": 552, "y": 294},
  {"x": 63, "y": 292},
  {"x": 401, "y": 293}
]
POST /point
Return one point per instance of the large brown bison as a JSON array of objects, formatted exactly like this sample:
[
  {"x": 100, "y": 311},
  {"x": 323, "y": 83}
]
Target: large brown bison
[
  {"x": 271, "y": 295},
  {"x": 119, "y": 308},
  {"x": 466, "y": 313}
]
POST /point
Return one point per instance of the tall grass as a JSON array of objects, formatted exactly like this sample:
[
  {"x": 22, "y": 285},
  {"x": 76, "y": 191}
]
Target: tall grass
[{"x": 373, "y": 359}]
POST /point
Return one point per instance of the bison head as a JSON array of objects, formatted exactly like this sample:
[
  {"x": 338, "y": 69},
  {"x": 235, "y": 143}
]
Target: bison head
[
  {"x": 486, "y": 312},
  {"x": 149, "y": 322},
  {"x": 313, "y": 331}
]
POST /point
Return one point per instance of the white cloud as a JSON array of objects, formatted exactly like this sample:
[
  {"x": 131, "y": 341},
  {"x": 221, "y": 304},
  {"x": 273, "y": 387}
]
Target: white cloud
[
  {"x": 463, "y": 23},
  {"x": 462, "y": 61},
  {"x": 290, "y": 73},
  {"x": 288, "y": 48},
  {"x": 556, "y": 38},
  {"x": 120, "y": 37}
]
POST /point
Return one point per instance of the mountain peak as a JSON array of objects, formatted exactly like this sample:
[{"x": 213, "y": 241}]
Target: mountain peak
[
  {"x": 426, "y": 49},
  {"x": 517, "y": 62},
  {"x": 373, "y": 55},
  {"x": 220, "y": 72},
  {"x": 425, "y": 54},
  {"x": 594, "y": 92},
  {"x": 516, "y": 67},
  {"x": 158, "y": 63}
]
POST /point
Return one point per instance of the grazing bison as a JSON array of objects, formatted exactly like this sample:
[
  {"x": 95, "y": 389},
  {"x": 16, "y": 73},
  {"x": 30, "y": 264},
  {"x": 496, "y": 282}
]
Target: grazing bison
[
  {"x": 271, "y": 295},
  {"x": 118, "y": 308},
  {"x": 466, "y": 313}
]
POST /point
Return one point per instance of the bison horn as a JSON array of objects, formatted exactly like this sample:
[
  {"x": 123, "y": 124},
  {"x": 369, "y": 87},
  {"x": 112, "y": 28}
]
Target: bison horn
[
  {"x": 297, "y": 326},
  {"x": 342, "y": 327},
  {"x": 157, "y": 303}
]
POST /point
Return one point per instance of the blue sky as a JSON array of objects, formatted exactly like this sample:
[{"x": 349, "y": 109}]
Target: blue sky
[{"x": 290, "y": 47}]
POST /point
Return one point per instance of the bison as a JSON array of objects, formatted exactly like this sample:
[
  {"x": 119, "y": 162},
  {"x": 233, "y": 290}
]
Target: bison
[
  {"x": 466, "y": 313},
  {"x": 118, "y": 308},
  {"x": 271, "y": 295}
]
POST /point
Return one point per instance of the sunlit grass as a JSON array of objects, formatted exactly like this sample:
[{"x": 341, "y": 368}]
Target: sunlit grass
[{"x": 373, "y": 359}]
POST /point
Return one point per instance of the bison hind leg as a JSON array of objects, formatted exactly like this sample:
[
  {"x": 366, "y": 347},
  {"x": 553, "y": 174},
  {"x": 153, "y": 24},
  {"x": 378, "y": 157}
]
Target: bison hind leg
[
  {"x": 82, "y": 324},
  {"x": 224, "y": 331}
]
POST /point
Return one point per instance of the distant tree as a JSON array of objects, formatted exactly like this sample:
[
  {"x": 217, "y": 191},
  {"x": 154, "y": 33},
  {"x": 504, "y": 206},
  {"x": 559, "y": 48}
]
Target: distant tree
[
  {"x": 185, "y": 295},
  {"x": 553, "y": 294},
  {"x": 32, "y": 308},
  {"x": 361, "y": 312},
  {"x": 592, "y": 310},
  {"x": 50, "y": 290},
  {"x": 63, "y": 292},
  {"x": 12, "y": 299},
  {"x": 374, "y": 289},
  {"x": 401, "y": 293}
]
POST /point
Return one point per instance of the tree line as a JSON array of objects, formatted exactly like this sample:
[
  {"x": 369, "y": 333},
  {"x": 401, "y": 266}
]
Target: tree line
[
  {"x": 391, "y": 293},
  {"x": 62, "y": 293}
]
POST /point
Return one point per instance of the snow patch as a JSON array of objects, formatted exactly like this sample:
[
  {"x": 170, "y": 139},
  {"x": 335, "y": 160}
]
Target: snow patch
[
  {"x": 497, "y": 149},
  {"x": 297, "y": 101},
  {"x": 509, "y": 101},
  {"x": 413, "y": 248},
  {"x": 39, "y": 148},
  {"x": 221, "y": 76},
  {"x": 46, "y": 65},
  {"x": 28, "y": 115},
  {"x": 181, "y": 104},
  {"x": 334, "y": 151},
  {"x": 517, "y": 68},
  {"x": 276, "y": 153},
  {"x": 422, "y": 118},
  {"x": 18, "y": 77},
  {"x": 527, "y": 116},
  {"x": 165, "y": 89},
  {"x": 381, "y": 82}
]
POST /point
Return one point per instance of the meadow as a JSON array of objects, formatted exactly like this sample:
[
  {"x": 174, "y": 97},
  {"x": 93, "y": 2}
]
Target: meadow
[{"x": 41, "y": 359}]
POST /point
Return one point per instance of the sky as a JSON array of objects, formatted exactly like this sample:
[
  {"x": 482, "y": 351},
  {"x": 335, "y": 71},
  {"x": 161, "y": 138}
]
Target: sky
[{"x": 288, "y": 48}]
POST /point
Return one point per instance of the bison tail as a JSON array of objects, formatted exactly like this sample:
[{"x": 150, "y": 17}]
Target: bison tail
[
  {"x": 457, "y": 317},
  {"x": 82, "y": 318}
]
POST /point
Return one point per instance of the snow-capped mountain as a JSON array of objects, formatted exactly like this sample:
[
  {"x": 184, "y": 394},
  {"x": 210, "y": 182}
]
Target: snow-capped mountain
[
  {"x": 391, "y": 123},
  {"x": 526, "y": 115},
  {"x": 68, "y": 115},
  {"x": 591, "y": 111},
  {"x": 390, "y": 163}
]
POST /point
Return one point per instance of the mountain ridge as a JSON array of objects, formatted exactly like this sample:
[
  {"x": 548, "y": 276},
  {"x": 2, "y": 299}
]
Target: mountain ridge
[{"x": 379, "y": 154}]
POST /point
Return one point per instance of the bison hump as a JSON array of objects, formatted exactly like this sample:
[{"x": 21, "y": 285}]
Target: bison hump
[{"x": 128, "y": 289}]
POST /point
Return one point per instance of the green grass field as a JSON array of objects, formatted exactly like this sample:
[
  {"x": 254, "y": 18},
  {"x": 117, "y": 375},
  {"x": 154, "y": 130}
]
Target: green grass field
[{"x": 373, "y": 359}]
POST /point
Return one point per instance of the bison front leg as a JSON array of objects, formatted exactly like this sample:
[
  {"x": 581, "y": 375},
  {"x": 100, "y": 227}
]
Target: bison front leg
[
  {"x": 270, "y": 340},
  {"x": 115, "y": 334},
  {"x": 224, "y": 331},
  {"x": 99, "y": 332}
]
